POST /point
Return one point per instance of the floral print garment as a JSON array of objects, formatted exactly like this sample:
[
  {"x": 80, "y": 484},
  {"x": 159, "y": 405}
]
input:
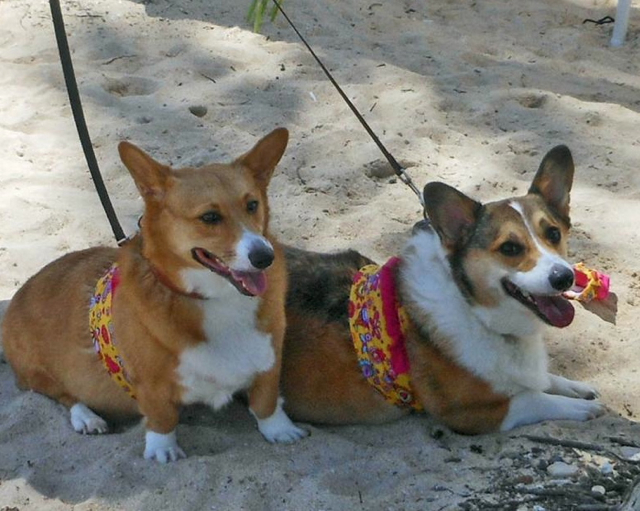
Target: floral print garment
[
  {"x": 100, "y": 321},
  {"x": 378, "y": 324}
]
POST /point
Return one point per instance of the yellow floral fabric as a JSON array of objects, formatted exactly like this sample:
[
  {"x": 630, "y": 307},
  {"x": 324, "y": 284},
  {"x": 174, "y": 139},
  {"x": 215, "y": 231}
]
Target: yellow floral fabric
[
  {"x": 378, "y": 323},
  {"x": 100, "y": 324}
]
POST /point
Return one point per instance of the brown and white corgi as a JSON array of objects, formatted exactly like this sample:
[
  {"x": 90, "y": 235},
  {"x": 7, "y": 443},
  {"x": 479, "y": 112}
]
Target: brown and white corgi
[
  {"x": 189, "y": 310},
  {"x": 452, "y": 326}
]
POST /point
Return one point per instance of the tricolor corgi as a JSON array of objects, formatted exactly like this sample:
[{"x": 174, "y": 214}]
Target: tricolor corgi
[
  {"x": 189, "y": 310},
  {"x": 452, "y": 326}
]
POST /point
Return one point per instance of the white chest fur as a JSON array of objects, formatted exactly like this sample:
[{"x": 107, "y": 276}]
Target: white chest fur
[
  {"x": 234, "y": 353},
  {"x": 510, "y": 365}
]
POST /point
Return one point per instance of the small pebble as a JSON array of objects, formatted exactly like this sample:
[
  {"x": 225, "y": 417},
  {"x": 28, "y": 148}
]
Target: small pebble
[
  {"x": 562, "y": 469},
  {"x": 510, "y": 454},
  {"x": 606, "y": 468},
  {"x": 598, "y": 490},
  {"x": 555, "y": 458},
  {"x": 198, "y": 110},
  {"x": 630, "y": 453},
  {"x": 524, "y": 479}
]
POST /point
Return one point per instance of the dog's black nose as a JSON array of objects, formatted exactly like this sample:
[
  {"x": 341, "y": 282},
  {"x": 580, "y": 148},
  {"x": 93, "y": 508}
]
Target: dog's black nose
[
  {"x": 261, "y": 257},
  {"x": 561, "y": 277}
]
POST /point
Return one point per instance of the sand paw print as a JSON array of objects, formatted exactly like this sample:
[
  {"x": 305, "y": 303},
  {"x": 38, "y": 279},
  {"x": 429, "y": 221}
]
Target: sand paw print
[
  {"x": 532, "y": 100},
  {"x": 130, "y": 86}
]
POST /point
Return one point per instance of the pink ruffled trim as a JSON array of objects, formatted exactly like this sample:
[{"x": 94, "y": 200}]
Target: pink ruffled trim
[{"x": 388, "y": 292}]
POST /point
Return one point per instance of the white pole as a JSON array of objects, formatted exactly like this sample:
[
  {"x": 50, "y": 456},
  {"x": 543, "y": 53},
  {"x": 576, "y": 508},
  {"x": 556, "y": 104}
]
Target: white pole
[{"x": 622, "y": 22}]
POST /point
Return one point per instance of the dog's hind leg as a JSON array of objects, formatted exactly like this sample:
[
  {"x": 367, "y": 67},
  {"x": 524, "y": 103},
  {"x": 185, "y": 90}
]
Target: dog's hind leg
[
  {"x": 83, "y": 419},
  {"x": 86, "y": 421}
]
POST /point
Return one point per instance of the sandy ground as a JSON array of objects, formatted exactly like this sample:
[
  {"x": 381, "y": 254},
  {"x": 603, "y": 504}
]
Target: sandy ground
[{"x": 470, "y": 93}]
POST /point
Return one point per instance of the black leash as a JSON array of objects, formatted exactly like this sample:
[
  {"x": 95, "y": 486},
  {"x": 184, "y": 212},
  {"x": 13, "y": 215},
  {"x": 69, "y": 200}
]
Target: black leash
[
  {"x": 601, "y": 21},
  {"x": 78, "y": 116},
  {"x": 397, "y": 168},
  {"x": 85, "y": 139}
]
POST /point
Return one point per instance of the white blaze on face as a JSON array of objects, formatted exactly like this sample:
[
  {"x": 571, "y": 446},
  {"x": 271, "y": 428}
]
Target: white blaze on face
[
  {"x": 249, "y": 241},
  {"x": 536, "y": 280}
]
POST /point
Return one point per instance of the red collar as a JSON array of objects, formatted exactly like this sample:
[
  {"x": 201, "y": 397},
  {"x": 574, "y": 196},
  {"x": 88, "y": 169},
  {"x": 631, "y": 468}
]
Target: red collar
[
  {"x": 161, "y": 276},
  {"x": 166, "y": 282}
]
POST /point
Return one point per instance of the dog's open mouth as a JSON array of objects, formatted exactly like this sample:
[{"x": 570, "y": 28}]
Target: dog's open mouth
[
  {"x": 250, "y": 283},
  {"x": 553, "y": 309}
]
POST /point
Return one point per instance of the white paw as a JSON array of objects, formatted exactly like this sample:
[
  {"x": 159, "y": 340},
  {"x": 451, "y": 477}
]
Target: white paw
[
  {"x": 571, "y": 388},
  {"x": 87, "y": 422},
  {"x": 531, "y": 407},
  {"x": 278, "y": 428},
  {"x": 584, "y": 409},
  {"x": 582, "y": 390},
  {"x": 162, "y": 448}
]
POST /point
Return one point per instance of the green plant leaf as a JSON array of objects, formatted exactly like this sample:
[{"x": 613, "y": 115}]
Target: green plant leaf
[{"x": 257, "y": 10}]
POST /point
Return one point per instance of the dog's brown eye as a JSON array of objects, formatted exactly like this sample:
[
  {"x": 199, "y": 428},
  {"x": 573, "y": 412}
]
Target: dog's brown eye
[
  {"x": 511, "y": 249},
  {"x": 553, "y": 235},
  {"x": 252, "y": 206},
  {"x": 211, "y": 217}
]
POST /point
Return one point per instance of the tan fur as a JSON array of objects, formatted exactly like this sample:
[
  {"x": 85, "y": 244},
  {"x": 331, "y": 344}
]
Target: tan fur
[
  {"x": 462, "y": 401},
  {"x": 46, "y": 333},
  {"x": 322, "y": 384},
  {"x": 321, "y": 381},
  {"x": 263, "y": 394},
  {"x": 451, "y": 365}
]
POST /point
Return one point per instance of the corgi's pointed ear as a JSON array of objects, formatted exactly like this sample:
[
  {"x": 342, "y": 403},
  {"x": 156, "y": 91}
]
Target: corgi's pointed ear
[
  {"x": 453, "y": 215},
  {"x": 554, "y": 178},
  {"x": 265, "y": 155},
  {"x": 149, "y": 175}
]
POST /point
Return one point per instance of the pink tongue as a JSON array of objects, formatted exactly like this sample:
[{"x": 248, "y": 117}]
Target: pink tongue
[
  {"x": 255, "y": 282},
  {"x": 558, "y": 311}
]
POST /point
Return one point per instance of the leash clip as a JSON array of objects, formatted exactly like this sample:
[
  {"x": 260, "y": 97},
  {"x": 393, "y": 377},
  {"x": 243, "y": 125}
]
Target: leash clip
[
  {"x": 401, "y": 172},
  {"x": 123, "y": 241}
]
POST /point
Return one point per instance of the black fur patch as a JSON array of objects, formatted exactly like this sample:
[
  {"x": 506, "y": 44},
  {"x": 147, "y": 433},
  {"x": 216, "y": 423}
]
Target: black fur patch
[
  {"x": 460, "y": 276},
  {"x": 319, "y": 284},
  {"x": 474, "y": 237}
]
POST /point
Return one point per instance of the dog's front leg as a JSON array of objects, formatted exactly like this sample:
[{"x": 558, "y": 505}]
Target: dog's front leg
[
  {"x": 265, "y": 404},
  {"x": 531, "y": 406},
  {"x": 161, "y": 415},
  {"x": 570, "y": 388}
]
